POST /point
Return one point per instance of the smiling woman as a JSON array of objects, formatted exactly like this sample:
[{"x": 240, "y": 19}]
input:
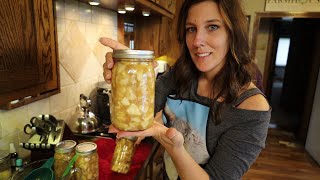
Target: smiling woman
[{"x": 215, "y": 120}]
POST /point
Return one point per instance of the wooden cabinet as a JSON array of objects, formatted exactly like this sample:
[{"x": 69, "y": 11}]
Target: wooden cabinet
[
  {"x": 169, "y": 5},
  {"x": 156, "y": 32},
  {"x": 28, "y": 52}
]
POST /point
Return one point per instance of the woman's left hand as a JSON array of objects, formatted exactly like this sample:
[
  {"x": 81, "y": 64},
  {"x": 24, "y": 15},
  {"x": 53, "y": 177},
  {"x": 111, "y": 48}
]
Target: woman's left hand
[{"x": 170, "y": 138}]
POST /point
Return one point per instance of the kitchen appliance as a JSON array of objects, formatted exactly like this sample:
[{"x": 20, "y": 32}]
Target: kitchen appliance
[
  {"x": 45, "y": 132},
  {"x": 100, "y": 102},
  {"x": 83, "y": 120}
]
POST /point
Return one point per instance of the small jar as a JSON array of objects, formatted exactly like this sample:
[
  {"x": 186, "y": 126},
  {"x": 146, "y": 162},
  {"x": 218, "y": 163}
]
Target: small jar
[
  {"x": 123, "y": 153},
  {"x": 5, "y": 166},
  {"x": 133, "y": 90},
  {"x": 87, "y": 161},
  {"x": 64, "y": 151}
]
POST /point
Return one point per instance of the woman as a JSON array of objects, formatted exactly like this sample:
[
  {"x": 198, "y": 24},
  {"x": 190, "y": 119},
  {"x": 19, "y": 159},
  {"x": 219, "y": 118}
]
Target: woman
[{"x": 218, "y": 119}]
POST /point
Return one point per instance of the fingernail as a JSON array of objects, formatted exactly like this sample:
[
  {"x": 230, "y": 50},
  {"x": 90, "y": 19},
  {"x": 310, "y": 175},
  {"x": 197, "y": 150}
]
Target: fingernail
[
  {"x": 119, "y": 136},
  {"x": 108, "y": 76},
  {"x": 109, "y": 65}
]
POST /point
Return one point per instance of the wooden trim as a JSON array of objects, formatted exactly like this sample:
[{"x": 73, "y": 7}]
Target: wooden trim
[
  {"x": 260, "y": 15},
  {"x": 153, "y": 6},
  {"x": 267, "y": 65},
  {"x": 121, "y": 29}
]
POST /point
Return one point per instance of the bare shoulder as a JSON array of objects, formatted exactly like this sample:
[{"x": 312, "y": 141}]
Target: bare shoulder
[{"x": 257, "y": 102}]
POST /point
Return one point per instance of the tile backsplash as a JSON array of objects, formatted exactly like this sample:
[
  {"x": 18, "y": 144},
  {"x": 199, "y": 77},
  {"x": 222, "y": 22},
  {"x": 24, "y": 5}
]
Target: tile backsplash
[{"x": 81, "y": 56}]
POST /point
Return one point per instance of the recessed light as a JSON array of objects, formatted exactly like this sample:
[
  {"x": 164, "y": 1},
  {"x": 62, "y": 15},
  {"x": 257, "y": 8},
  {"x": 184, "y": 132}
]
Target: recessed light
[
  {"x": 146, "y": 13},
  {"x": 94, "y": 2},
  {"x": 121, "y": 11},
  {"x": 129, "y": 7}
]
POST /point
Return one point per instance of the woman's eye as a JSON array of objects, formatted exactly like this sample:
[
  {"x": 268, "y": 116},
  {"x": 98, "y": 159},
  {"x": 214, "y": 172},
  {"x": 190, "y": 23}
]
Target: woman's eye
[
  {"x": 213, "y": 27},
  {"x": 191, "y": 29}
]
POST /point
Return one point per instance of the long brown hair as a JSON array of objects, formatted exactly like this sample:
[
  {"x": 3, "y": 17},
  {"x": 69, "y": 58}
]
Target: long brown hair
[{"x": 236, "y": 74}]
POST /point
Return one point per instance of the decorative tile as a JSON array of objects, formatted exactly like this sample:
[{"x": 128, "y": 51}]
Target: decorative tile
[
  {"x": 13, "y": 119},
  {"x": 68, "y": 97},
  {"x": 59, "y": 8},
  {"x": 85, "y": 12},
  {"x": 72, "y": 10},
  {"x": 65, "y": 78},
  {"x": 96, "y": 15},
  {"x": 38, "y": 107},
  {"x": 66, "y": 114},
  {"x": 91, "y": 33},
  {"x": 74, "y": 53}
]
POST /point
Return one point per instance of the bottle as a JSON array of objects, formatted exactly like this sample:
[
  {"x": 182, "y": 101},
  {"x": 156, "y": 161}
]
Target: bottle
[
  {"x": 19, "y": 165},
  {"x": 63, "y": 153},
  {"x": 133, "y": 90},
  {"x": 13, "y": 157},
  {"x": 87, "y": 161},
  {"x": 132, "y": 100},
  {"x": 123, "y": 153}
]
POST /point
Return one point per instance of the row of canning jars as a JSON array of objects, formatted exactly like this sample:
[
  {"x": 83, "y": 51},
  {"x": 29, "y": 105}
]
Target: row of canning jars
[{"x": 87, "y": 162}]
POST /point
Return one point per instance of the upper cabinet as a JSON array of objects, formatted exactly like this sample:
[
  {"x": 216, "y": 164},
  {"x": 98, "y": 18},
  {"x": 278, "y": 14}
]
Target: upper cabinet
[
  {"x": 28, "y": 52},
  {"x": 156, "y": 32}
]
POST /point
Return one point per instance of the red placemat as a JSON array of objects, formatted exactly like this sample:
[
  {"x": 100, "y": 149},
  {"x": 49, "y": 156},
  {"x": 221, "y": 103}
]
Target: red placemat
[{"x": 105, "y": 151}]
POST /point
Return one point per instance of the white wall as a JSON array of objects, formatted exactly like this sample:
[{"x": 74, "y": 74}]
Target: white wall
[{"x": 313, "y": 143}]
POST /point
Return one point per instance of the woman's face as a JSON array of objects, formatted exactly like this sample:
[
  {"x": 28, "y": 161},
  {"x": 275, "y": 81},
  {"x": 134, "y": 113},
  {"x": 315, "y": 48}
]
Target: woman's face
[{"x": 206, "y": 37}]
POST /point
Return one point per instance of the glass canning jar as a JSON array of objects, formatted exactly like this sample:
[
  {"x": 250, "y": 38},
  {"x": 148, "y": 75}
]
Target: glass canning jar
[
  {"x": 132, "y": 90},
  {"x": 87, "y": 161},
  {"x": 123, "y": 153},
  {"x": 64, "y": 151}
]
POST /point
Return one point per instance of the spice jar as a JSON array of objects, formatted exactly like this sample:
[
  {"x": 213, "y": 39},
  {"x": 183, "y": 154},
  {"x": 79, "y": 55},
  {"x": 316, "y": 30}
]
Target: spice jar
[
  {"x": 5, "y": 168},
  {"x": 64, "y": 151},
  {"x": 87, "y": 161},
  {"x": 133, "y": 90},
  {"x": 123, "y": 153}
]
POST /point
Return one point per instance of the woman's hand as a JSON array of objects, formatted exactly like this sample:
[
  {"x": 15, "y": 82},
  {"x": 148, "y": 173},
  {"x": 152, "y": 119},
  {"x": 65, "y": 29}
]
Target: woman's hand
[
  {"x": 170, "y": 138},
  {"x": 108, "y": 65}
]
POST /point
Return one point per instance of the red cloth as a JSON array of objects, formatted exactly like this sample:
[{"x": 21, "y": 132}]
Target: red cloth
[{"x": 105, "y": 151}]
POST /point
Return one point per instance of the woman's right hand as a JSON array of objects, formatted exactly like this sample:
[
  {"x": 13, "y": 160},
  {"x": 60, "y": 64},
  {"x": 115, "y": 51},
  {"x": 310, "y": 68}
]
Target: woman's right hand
[{"x": 108, "y": 65}]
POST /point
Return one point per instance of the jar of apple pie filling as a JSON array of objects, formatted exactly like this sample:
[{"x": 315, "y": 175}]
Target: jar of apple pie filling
[
  {"x": 64, "y": 151},
  {"x": 87, "y": 161},
  {"x": 133, "y": 90},
  {"x": 132, "y": 101}
]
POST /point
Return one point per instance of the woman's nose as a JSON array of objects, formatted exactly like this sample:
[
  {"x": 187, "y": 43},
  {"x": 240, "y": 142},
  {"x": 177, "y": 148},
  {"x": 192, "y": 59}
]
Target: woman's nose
[{"x": 199, "y": 39}]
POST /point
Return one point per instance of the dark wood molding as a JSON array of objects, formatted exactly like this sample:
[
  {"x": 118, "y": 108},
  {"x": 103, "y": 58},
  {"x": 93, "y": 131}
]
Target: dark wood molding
[{"x": 260, "y": 15}]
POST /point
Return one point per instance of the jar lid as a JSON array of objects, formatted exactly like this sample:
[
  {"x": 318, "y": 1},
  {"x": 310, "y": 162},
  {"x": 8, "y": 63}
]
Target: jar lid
[
  {"x": 86, "y": 147},
  {"x": 4, "y": 155},
  {"x": 129, "y": 53},
  {"x": 65, "y": 146}
]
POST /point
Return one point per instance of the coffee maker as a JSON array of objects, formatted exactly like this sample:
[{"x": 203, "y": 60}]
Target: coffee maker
[{"x": 100, "y": 97}]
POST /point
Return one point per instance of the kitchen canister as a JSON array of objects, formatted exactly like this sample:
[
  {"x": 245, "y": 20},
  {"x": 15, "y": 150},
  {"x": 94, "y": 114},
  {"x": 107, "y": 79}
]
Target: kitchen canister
[
  {"x": 132, "y": 100},
  {"x": 87, "y": 161},
  {"x": 133, "y": 90},
  {"x": 64, "y": 151},
  {"x": 123, "y": 153}
]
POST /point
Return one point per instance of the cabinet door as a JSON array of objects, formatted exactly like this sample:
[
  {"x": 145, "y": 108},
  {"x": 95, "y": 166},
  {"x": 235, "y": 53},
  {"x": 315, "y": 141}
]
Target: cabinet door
[{"x": 28, "y": 52}]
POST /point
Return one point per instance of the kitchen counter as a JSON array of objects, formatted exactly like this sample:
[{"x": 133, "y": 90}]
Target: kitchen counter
[
  {"x": 141, "y": 164},
  {"x": 141, "y": 167}
]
